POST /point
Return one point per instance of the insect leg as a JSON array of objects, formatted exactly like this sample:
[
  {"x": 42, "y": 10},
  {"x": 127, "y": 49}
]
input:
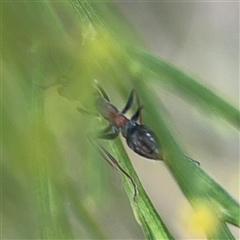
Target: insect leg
[
  {"x": 192, "y": 160},
  {"x": 129, "y": 102},
  {"x": 113, "y": 162},
  {"x": 139, "y": 106},
  {"x": 108, "y": 136},
  {"x": 105, "y": 134},
  {"x": 137, "y": 114}
]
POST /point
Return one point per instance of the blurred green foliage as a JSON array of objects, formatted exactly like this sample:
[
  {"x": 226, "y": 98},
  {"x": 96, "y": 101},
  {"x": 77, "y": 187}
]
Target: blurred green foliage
[{"x": 53, "y": 184}]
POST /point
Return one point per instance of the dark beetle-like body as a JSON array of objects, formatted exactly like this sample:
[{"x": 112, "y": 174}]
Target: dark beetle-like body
[{"x": 144, "y": 142}]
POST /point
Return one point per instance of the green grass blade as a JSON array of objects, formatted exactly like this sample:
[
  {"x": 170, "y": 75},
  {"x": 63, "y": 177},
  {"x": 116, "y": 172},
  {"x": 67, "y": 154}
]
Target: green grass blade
[
  {"x": 175, "y": 78},
  {"x": 145, "y": 213},
  {"x": 84, "y": 215},
  {"x": 44, "y": 42},
  {"x": 222, "y": 232},
  {"x": 198, "y": 187},
  {"x": 194, "y": 182}
]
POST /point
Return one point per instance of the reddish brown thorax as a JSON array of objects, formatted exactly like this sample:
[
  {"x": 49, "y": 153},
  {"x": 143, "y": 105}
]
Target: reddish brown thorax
[
  {"x": 120, "y": 121},
  {"x": 112, "y": 115}
]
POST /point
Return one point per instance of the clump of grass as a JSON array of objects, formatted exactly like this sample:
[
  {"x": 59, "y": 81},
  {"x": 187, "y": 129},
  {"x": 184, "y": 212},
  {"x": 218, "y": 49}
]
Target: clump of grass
[{"x": 52, "y": 180}]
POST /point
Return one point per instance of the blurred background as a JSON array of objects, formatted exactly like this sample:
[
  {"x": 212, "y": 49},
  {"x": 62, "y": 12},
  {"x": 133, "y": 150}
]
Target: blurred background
[
  {"x": 45, "y": 156},
  {"x": 202, "y": 39}
]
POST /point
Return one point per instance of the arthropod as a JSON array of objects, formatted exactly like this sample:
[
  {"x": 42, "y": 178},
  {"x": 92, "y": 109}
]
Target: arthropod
[{"x": 139, "y": 137}]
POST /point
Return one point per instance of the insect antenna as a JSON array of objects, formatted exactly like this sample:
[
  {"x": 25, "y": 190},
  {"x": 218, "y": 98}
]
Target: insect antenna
[{"x": 101, "y": 90}]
